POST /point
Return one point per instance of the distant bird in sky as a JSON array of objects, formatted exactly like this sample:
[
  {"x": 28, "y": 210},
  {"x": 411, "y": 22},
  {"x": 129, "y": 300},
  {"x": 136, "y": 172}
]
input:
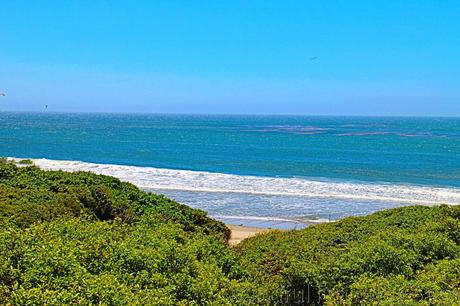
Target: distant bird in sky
[
  {"x": 46, "y": 106},
  {"x": 2, "y": 94},
  {"x": 313, "y": 58}
]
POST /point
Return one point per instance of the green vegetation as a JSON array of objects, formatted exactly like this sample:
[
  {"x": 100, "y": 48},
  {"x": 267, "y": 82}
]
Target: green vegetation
[
  {"x": 402, "y": 256},
  {"x": 81, "y": 238},
  {"x": 28, "y": 195},
  {"x": 25, "y": 162}
]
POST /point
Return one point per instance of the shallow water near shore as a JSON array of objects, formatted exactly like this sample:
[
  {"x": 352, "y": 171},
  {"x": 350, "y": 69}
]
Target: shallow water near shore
[{"x": 262, "y": 167}]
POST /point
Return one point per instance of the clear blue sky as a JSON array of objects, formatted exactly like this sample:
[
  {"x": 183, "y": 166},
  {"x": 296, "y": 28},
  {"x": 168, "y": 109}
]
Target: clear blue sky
[{"x": 373, "y": 57}]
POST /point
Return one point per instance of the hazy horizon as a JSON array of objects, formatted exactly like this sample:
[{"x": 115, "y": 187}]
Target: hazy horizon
[{"x": 224, "y": 114}]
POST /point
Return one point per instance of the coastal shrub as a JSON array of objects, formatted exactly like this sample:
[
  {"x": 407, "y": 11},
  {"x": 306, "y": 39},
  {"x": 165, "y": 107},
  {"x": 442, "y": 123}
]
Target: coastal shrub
[
  {"x": 28, "y": 195},
  {"x": 387, "y": 258},
  {"x": 80, "y": 261},
  {"x": 81, "y": 238},
  {"x": 25, "y": 162}
]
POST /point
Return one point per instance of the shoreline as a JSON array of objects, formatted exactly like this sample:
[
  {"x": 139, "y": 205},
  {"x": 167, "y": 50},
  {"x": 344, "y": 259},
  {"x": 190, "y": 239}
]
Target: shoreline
[
  {"x": 241, "y": 231},
  {"x": 270, "y": 223},
  {"x": 162, "y": 180}
]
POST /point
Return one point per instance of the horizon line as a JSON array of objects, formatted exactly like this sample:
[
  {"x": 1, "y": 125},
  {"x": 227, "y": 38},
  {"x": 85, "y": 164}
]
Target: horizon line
[{"x": 224, "y": 114}]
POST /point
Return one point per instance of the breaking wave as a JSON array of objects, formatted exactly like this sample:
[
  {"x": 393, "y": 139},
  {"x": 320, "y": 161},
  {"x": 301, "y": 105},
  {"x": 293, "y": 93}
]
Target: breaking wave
[{"x": 185, "y": 180}]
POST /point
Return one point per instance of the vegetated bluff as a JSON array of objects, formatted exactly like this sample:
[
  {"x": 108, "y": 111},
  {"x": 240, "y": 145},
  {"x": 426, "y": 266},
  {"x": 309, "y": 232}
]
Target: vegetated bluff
[{"x": 68, "y": 238}]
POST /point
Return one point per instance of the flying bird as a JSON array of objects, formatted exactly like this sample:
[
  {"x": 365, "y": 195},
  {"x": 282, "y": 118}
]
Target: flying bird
[
  {"x": 313, "y": 58},
  {"x": 2, "y": 94}
]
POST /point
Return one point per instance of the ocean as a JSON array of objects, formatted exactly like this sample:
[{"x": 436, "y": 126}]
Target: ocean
[{"x": 253, "y": 168}]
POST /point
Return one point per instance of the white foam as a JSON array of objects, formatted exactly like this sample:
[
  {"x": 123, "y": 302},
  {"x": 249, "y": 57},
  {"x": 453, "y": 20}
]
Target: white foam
[
  {"x": 264, "y": 222},
  {"x": 168, "y": 179},
  {"x": 255, "y": 218}
]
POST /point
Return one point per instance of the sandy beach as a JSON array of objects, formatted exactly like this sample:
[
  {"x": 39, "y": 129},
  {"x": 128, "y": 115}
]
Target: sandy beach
[{"x": 242, "y": 232}]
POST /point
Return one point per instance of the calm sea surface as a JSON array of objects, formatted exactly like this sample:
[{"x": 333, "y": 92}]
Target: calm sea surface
[{"x": 257, "y": 166}]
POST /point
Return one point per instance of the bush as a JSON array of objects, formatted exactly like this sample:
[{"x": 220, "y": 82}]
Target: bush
[
  {"x": 81, "y": 238},
  {"x": 64, "y": 262},
  {"x": 25, "y": 162},
  {"x": 28, "y": 195},
  {"x": 383, "y": 258}
]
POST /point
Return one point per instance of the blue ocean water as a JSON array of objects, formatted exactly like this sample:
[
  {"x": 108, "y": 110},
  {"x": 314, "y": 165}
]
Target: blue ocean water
[{"x": 312, "y": 166}]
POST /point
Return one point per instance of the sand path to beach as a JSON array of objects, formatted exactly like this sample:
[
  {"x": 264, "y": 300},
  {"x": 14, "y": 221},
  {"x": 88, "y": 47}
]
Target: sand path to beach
[{"x": 242, "y": 232}]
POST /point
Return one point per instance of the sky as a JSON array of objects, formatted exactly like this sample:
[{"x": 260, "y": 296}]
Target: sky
[{"x": 348, "y": 57}]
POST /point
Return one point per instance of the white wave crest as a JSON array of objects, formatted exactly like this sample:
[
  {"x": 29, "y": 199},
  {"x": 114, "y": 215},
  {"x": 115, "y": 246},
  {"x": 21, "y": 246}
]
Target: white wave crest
[{"x": 168, "y": 179}]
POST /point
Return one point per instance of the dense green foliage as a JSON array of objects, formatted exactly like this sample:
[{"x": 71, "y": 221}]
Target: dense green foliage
[
  {"x": 28, "y": 195},
  {"x": 81, "y": 261},
  {"x": 81, "y": 238},
  {"x": 68, "y": 238},
  {"x": 401, "y": 256}
]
